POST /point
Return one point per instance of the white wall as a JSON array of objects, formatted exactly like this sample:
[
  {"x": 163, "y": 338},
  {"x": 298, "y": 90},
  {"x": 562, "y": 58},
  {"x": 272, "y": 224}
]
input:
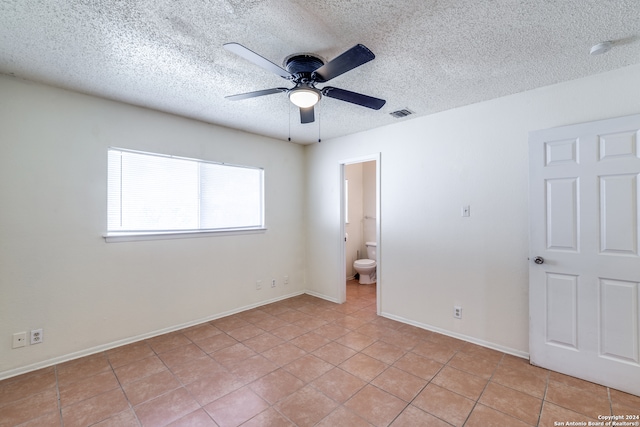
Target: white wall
[
  {"x": 369, "y": 204},
  {"x": 430, "y": 257},
  {"x": 57, "y": 272},
  {"x": 353, "y": 173}
]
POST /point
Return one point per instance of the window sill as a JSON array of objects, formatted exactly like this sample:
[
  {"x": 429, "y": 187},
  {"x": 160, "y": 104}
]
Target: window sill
[{"x": 116, "y": 236}]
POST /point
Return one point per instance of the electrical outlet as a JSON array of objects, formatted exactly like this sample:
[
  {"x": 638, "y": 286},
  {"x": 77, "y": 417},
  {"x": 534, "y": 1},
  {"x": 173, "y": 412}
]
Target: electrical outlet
[
  {"x": 258, "y": 285},
  {"x": 273, "y": 283},
  {"x": 286, "y": 280},
  {"x": 19, "y": 339},
  {"x": 457, "y": 312},
  {"x": 36, "y": 336}
]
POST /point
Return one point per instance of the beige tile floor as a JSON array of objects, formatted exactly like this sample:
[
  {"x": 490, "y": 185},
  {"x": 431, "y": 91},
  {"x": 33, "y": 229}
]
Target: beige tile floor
[{"x": 304, "y": 362}]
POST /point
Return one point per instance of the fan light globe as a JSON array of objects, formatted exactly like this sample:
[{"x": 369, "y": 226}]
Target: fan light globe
[{"x": 304, "y": 98}]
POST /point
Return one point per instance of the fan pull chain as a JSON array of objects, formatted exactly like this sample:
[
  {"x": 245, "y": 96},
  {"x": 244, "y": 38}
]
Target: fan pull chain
[
  {"x": 289, "y": 139},
  {"x": 319, "y": 117}
]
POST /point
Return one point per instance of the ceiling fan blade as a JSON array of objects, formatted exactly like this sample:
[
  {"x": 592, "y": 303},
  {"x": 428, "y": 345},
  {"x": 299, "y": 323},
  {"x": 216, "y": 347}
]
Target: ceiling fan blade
[
  {"x": 248, "y": 95},
  {"x": 352, "y": 58},
  {"x": 353, "y": 97},
  {"x": 251, "y": 56},
  {"x": 307, "y": 115}
]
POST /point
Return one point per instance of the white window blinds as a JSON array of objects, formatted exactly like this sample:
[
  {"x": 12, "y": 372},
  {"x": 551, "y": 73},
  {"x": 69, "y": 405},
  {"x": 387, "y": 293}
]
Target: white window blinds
[{"x": 151, "y": 192}]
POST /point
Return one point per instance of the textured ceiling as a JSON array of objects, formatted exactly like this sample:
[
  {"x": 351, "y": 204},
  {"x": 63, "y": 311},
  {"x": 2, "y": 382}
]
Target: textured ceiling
[{"x": 430, "y": 55}]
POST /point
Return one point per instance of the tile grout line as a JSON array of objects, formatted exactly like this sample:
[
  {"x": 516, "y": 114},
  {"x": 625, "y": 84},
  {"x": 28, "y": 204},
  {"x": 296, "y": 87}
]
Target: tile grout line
[
  {"x": 483, "y": 390},
  {"x": 544, "y": 397},
  {"x": 435, "y": 375},
  {"x": 182, "y": 385},
  {"x": 421, "y": 390},
  {"x": 339, "y": 404},
  {"x": 124, "y": 393},
  {"x": 55, "y": 372},
  {"x": 425, "y": 386}
]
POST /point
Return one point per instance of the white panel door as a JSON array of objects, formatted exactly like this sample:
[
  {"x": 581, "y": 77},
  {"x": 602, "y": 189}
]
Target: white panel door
[{"x": 585, "y": 267}]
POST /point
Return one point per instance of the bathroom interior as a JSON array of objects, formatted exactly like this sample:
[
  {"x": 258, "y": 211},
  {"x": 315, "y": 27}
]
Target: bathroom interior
[{"x": 360, "y": 226}]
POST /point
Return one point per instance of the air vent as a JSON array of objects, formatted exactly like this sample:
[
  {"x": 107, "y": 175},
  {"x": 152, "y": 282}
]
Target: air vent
[{"x": 401, "y": 113}]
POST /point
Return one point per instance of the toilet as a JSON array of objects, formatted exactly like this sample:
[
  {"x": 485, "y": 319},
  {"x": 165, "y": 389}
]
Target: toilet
[{"x": 366, "y": 268}]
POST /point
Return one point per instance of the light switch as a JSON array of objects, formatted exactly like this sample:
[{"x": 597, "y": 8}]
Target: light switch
[{"x": 466, "y": 210}]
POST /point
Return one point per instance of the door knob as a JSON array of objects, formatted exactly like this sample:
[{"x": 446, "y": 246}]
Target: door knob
[{"x": 538, "y": 260}]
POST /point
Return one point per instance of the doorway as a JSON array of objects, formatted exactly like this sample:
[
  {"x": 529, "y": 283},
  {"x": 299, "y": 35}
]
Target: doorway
[{"x": 360, "y": 224}]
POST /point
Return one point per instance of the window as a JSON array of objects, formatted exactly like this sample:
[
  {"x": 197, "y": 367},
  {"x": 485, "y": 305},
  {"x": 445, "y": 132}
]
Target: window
[{"x": 159, "y": 194}]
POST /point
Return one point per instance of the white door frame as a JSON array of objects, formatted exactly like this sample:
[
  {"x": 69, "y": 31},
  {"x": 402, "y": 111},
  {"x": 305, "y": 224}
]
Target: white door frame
[{"x": 342, "y": 287}]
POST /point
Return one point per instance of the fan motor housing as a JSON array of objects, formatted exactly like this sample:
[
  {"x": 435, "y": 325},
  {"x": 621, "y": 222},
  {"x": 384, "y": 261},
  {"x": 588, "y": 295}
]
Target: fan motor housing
[{"x": 303, "y": 65}]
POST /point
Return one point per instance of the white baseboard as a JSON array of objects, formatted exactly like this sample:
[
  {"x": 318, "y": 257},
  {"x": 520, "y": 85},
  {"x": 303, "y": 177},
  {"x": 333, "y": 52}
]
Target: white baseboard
[
  {"x": 462, "y": 337},
  {"x": 322, "y": 296},
  {"x": 98, "y": 349}
]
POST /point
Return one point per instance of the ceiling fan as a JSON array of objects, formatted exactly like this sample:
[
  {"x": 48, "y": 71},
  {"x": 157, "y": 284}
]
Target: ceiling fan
[{"x": 306, "y": 70}]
